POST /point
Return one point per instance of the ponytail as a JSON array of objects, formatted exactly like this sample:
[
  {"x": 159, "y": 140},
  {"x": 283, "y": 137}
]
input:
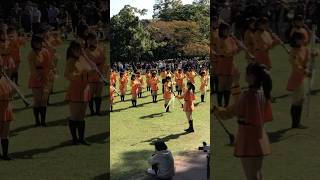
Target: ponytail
[{"x": 263, "y": 78}]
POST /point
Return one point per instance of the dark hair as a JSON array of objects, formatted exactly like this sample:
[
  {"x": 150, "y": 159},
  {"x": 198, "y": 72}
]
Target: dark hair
[
  {"x": 263, "y": 78},
  {"x": 133, "y": 77},
  {"x": 191, "y": 86},
  {"x": 73, "y": 45},
  {"x": 222, "y": 28},
  {"x": 160, "y": 146},
  {"x": 35, "y": 40},
  {"x": 294, "y": 39},
  {"x": 298, "y": 17}
]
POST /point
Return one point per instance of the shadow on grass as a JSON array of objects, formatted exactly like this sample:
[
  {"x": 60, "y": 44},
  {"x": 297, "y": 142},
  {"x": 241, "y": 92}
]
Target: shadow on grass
[
  {"x": 164, "y": 139},
  {"x": 133, "y": 163},
  {"x": 139, "y": 105},
  {"x": 105, "y": 176},
  {"x": 29, "y": 154},
  {"x": 277, "y": 136},
  {"x": 154, "y": 115}
]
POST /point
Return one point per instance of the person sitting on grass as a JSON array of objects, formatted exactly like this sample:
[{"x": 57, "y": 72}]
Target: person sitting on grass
[{"x": 162, "y": 162}]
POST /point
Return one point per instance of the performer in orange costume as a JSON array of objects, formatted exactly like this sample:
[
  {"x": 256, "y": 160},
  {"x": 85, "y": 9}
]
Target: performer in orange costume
[
  {"x": 299, "y": 59},
  {"x": 140, "y": 79},
  {"x": 179, "y": 77},
  {"x": 163, "y": 75},
  {"x": 97, "y": 55},
  {"x": 191, "y": 74},
  {"x": 299, "y": 26},
  {"x": 113, "y": 78},
  {"x": 7, "y": 62},
  {"x": 253, "y": 109},
  {"x": 154, "y": 86},
  {"x": 226, "y": 49},
  {"x": 148, "y": 79},
  {"x": 6, "y": 115},
  {"x": 167, "y": 95},
  {"x": 112, "y": 91},
  {"x": 135, "y": 84},
  {"x": 78, "y": 72},
  {"x": 263, "y": 42},
  {"x": 249, "y": 38},
  {"x": 15, "y": 44},
  {"x": 123, "y": 80},
  {"x": 39, "y": 78},
  {"x": 188, "y": 107},
  {"x": 204, "y": 84}
]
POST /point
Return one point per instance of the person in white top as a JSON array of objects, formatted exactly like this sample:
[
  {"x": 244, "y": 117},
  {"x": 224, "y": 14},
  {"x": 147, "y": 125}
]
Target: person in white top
[{"x": 162, "y": 162}]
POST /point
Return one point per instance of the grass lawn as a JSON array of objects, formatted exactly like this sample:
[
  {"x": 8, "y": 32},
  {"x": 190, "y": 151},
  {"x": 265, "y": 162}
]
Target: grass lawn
[
  {"x": 44, "y": 153},
  {"x": 296, "y": 153},
  {"x": 134, "y": 129}
]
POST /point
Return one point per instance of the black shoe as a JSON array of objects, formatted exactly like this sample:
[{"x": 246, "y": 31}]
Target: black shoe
[
  {"x": 190, "y": 129},
  {"x": 43, "y": 114},
  {"x": 73, "y": 131},
  {"x": 92, "y": 113},
  {"x": 5, "y": 147},
  {"x": 36, "y": 113},
  {"x": 81, "y": 131}
]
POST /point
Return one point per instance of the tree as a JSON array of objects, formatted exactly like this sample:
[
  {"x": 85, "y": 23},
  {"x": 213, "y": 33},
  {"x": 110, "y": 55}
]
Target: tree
[{"x": 130, "y": 40}]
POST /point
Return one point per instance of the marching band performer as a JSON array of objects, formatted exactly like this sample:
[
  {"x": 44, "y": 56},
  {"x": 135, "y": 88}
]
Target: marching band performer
[
  {"x": 123, "y": 85},
  {"x": 97, "y": 55},
  {"x": 135, "y": 85},
  {"x": 167, "y": 95},
  {"x": 78, "y": 72},
  {"x": 203, "y": 84},
  {"x": 154, "y": 86}
]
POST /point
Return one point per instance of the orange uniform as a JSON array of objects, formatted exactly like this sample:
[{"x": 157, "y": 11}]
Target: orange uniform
[
  {"x": 249, "y": 42},
  {"x": 113, "y": 78},
  {"x": 253, "y": 111},
  {"x": 38, "y": 64},
  {"x": 5, "y": 52},
  {"x": 112, "y": 91},
  {"x": 263, "y": 42},
  {"x": 203, "y": 84},
  {"x": 154, "y": 84},
  {"x": 135, "y": 88},
  {"x": 6, "y": 93},
  {"x": 191, "y": 76},
  {"x": 123, "y": 85},
  {"x": 188, "y": 97},
  {"x": 306, "y": 36},
  {"x": 99, "y": 58},
  {"x": 15, "y": 46},
  {"x": 299, "y": 58},
  {"x": 148, "y": 79},
  {"x": 179, "y": 77},
  {"x": 167, "y": 91},
  {"x": 226, "y": 49},
  {"x": 77, "y": 72},
  {"x": 140, "y": 79}
]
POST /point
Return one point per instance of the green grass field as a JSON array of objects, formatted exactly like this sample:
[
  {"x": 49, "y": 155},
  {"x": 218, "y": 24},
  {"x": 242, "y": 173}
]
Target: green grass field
[
  {"x": 133, "y": 130},
  {"x": 296, "y": 153},
  {"x": 44, "y": 153}
]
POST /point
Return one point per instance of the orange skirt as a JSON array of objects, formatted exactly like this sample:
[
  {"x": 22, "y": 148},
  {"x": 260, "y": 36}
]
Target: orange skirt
[
  {"x": 6, "y": 113},
  {"x": 295, "y": 80},
  {"x": 225, "y": 66},
  {"x": 167, "y": 95},
  {"x": 78, "y": 92},
  {"x": 188, "y": 106},
  {"x": 252, "y": 141},
  {"x": 262, "y": 57}
]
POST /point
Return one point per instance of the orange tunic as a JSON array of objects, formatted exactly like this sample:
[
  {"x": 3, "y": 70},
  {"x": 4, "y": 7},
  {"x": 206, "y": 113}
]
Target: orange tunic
[
  {"x": 113, "y": 78},
  {"x": 123, "y": 85},
  {"x": 148, "y": 79},
  {"x": 112, "y": 90},
  {"x": 167, "y": 91},
  {"x": 263, "y": 42},
  {"x": 249, "y": 42},
  {"x": 189, "y": 97},
  {"x": 99, "y": 58},
  {"x": 135, "y": 87},
  {"x": 77, "y": 72},
  {"x": 179, "y": 77},
  {"x": 6, "y": 93},
  {"x": 154, "y": 84},
  {"x": 305, "y": 33},
  {"x": 38, "y": 64},
  {"x": 204, "y": 83},
  {"x": 253, "y": 111},
  {"x": 7, "y": 58},
  {"x": 191, "y": 76},
  {"x": 299, "y": 62},
  {"x": 226, "y": 49}
]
